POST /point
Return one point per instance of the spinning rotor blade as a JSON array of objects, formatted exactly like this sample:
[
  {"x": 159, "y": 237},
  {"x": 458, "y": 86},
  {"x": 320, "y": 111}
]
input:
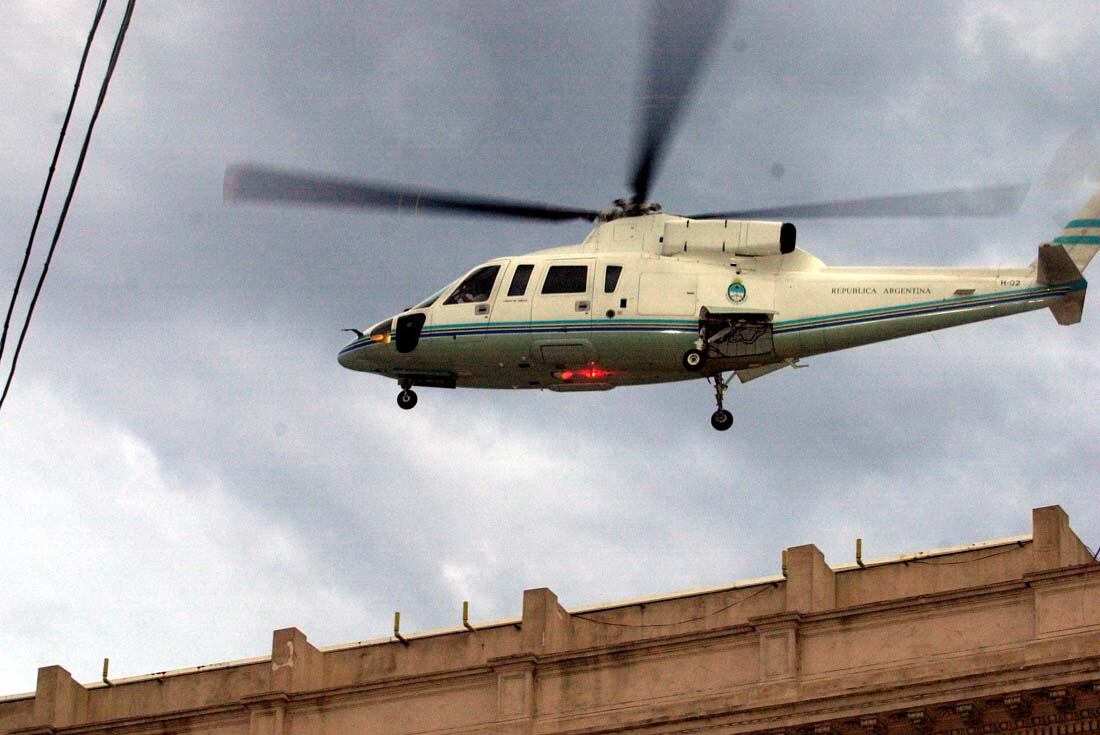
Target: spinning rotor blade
[
  {"x": 1076, "y": 163},
  {"x": 991, "y": 201},
  {"x": 681, "y": 35},
  {"x": 245, "y": 182}
]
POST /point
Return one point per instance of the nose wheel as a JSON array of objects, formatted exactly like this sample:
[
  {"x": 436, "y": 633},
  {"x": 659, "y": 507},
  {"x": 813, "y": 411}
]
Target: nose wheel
[
  {"x": 406, "y": 399},
  {"x": 720, "y": 419}
]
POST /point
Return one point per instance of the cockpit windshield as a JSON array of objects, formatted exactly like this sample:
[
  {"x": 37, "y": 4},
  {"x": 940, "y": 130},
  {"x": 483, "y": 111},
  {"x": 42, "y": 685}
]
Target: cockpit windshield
[
  {"x": 428, "y": 301},
  {"x": 475, "y": 287}
]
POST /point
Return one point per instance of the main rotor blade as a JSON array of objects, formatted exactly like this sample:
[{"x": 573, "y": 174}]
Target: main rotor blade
[
  {"x": 681, "y": 35},
  {"x": 247, "y": 182},
  {"x": 1075, "y": 163},
  {"x": 992, "y": 201}
]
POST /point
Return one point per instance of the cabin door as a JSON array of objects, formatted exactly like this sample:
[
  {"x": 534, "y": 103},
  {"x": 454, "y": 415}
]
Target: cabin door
[{"x": 561, "y": 312}]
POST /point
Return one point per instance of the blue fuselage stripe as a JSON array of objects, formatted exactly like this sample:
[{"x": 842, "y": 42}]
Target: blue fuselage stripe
[
  {"x": 681, "y": 326},
  {"x": 924, "y": 309}
]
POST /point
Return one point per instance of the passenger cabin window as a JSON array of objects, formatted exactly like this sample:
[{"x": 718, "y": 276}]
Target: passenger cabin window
[
  {"x": 520, "y": 279},
  {"x": 477, "y": 286},
  {"x": 566, "y": 279},
  {"x": 611, "y": 278}
]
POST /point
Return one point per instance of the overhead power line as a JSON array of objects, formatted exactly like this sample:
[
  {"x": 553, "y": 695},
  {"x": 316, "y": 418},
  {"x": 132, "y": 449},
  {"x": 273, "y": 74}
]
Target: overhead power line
[
  {"x": 49, "y": 176},
  {"x": 72, "y": 190}
]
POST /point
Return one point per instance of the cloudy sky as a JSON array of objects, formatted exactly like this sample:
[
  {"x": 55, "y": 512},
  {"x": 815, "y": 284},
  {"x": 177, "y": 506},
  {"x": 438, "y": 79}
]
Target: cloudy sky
[{"x": 184, "y": 467}]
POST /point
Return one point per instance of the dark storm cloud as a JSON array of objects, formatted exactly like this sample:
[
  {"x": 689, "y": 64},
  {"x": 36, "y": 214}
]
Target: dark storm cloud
[{"x": 207, "y": 334}]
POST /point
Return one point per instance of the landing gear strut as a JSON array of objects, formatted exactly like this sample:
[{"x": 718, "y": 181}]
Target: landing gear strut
[
  {"x": 406, "y": 399},
  {"x": 720, "y": 419}
]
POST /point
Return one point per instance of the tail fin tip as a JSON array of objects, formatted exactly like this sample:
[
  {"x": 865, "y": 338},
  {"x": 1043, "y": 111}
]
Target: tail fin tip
[{"x": 1081, "y": 236}]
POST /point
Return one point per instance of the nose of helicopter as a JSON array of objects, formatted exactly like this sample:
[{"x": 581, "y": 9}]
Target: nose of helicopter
[
  {"x": 365, "y": 351},
  {"x": 347, "y": 356}
]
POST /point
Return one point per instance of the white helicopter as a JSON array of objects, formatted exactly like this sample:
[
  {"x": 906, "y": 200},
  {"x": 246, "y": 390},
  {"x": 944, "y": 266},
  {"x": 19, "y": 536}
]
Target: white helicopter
[{"x": 650, "y": 297}]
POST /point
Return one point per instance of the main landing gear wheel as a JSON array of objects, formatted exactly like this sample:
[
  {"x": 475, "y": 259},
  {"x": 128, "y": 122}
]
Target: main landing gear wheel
[
  {"x": 406, "y": 399},
  {"x": 720, "y": 419},
  {"x": 694, "y": 360}
]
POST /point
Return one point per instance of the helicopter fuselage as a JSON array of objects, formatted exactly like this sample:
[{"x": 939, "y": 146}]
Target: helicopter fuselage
[{"x": 629, "y": 303}]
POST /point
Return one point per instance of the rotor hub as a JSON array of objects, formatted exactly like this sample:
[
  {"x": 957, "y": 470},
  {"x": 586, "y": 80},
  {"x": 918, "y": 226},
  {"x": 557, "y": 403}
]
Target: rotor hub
[{"x": 624, "y": 208}]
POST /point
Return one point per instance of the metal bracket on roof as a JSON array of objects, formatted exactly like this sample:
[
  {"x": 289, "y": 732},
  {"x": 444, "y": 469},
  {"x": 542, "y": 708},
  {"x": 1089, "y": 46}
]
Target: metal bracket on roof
[{"x": 397, "y": 629}]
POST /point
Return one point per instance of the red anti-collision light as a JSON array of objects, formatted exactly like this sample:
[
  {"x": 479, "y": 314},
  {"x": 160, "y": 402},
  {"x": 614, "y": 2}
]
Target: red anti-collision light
[
  {"x": 592, "y": 372},
  {"x": 589, "y": 373}
]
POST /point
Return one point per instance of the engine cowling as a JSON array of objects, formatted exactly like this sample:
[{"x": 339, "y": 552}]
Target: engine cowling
[{"x": 729, "y": 236}]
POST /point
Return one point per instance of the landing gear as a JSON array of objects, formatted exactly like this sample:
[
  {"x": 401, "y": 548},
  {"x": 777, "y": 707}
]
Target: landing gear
[
  {"x": 694, "y": 360},
  {"x": 720, "y": 419},
  {"x": 406, "y": 399}
]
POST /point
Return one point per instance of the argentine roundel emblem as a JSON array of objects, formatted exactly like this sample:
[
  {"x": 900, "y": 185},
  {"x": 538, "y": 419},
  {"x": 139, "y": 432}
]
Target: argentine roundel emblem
[{"x": 737, "y": 292}]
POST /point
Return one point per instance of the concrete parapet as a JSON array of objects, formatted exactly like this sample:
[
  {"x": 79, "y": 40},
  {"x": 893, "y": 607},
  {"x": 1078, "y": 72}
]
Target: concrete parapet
[
  {"x": 811, "y": 583},
  {"x": 1055, "y": 543},
  {"x": 296, "y": 665},
  {"x": 59, "y": 700},
  {"x": 546, "y": 625}
]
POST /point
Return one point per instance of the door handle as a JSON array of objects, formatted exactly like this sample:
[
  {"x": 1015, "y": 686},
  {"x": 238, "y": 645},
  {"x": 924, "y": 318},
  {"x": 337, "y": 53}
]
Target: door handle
[
  {"x": 582, "y": 305},
  {"x": 481, "y": 309}
]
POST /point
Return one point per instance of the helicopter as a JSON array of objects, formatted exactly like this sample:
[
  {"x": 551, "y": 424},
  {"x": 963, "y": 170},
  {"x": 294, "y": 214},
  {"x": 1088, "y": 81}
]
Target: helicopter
[{"x": 651, "y": 297}]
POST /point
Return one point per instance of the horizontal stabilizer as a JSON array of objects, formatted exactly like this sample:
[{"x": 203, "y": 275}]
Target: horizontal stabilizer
[
  {"x": 1068, "y": 310},
  {"x": 747, "y": 374}
]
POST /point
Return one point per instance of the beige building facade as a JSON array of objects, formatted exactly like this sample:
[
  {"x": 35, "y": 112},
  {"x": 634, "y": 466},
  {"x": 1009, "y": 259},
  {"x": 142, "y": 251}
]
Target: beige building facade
[{"x": 991, "y": 638}]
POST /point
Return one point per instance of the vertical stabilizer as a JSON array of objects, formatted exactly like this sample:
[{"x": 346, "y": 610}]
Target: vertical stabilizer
[
  {"x": 1081, "y": 237},
  {"x": 1062, "y": 262}
]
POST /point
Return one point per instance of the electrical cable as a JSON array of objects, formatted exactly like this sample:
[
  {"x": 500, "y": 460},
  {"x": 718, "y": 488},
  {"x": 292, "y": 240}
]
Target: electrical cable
[
  {"x": 746, "y": 598},
  {"x": 49, "y": 176},
  {"x": 932, "y": 562},
  {"x": 72, "y": 190}
]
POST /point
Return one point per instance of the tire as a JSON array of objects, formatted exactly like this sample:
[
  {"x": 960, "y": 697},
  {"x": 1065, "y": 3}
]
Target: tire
[
  {"x": 721, "y": 419},
  {"x": 406, "y": 399},
  {"x": 694, "y": 360}
]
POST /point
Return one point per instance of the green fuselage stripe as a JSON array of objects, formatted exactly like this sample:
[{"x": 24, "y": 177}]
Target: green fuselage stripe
[
  {"x": 1079, "y": 223},
  {"x": 1078, "y": 240}
]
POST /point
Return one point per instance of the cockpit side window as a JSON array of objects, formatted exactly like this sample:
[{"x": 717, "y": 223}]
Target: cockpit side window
[
  {"x": 476, "y": 288},
  {"x": 611, "y": 278},
  {"x": 518, "y": 286}
]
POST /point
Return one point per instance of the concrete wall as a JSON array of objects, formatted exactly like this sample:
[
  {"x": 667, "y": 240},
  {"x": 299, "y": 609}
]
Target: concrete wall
[{"x": 889, "y": 645}]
